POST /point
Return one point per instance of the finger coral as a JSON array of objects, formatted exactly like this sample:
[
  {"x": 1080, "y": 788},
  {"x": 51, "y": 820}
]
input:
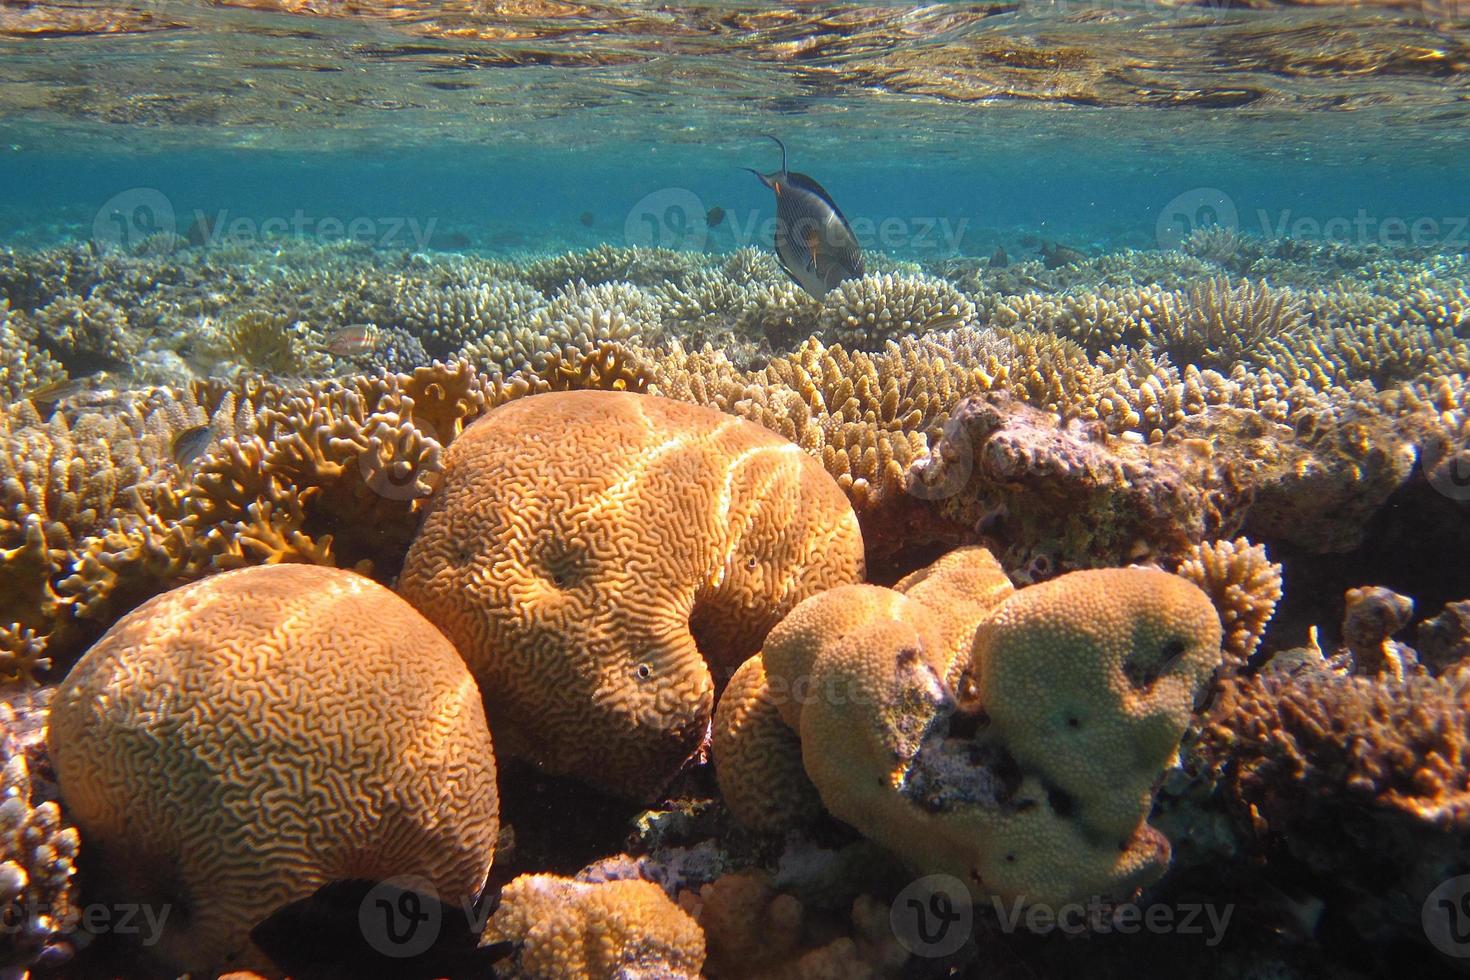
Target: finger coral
[
  {"x": 23, "y": 366},
  {"x": 1302, "y": 746},
  {"x": 604, "y": 559},
  {"x": 570, "y": 930},
  {"x": 1244, "y": 585},
  {"x": 38, "y": 851},
  {"x": 234, "y": 744}
]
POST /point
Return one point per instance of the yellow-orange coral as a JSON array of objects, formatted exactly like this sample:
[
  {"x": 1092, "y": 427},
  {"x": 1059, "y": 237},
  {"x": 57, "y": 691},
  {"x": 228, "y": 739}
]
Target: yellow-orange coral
[
  {"x": 234, "y": 744},
  {"x": 1243, "y": 584},
  {"x": 602, "y": 559},
  {"x": 571, "y": 930}
]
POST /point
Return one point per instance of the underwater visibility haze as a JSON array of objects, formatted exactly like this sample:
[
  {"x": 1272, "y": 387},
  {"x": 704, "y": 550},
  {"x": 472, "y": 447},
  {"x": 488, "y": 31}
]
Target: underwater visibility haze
[{"x": 583, "y": 490}]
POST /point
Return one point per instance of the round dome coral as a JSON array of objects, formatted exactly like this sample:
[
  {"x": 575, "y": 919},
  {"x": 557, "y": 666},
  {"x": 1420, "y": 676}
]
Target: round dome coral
[
  {"x": 604, "y": 560},
  {"x": 234, "y": 744}
]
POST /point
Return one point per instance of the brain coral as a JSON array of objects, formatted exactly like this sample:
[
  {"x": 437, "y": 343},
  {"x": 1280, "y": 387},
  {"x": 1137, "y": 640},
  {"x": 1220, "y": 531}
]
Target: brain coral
[
  {"x": 1023, "y": 766},
  {"x": 757, "y": 751},
  {"x": 602, "y": 559},
  {"x": 570, "y": 930},
  {"x": 234, "y": 744}
]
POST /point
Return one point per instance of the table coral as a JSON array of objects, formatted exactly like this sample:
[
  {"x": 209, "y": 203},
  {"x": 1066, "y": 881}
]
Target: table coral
[
  {"x": 604, "y": 560},
  {"x": 234, "y": 744},
  {"x": 569, "y": 930}
]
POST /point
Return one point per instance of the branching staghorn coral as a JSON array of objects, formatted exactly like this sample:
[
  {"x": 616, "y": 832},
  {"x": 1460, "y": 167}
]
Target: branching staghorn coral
[
  {"x": 449, "y": 318},
  {"x": 1215, "y": 324},
  {"x": 1244, "y": 585},
  {"x": 865, "y": 313},
  {"x": 578, "y": 317},
  {"x": 85, "y": 335}
]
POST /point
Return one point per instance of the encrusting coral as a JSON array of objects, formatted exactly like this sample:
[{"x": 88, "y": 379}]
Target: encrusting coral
[
  {"x": 604, "y": 560},
  {"x": 234, "y": 744},
  {"x": 571, "y": 930}
]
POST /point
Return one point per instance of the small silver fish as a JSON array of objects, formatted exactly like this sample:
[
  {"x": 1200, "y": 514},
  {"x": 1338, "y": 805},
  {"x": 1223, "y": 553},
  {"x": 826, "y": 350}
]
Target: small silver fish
[
  {"x": 355, "y": 338},
  {"x": 187, "y": 444},
  {"x": 814, "y": 242},
  {"x": 56, "y": 391}
]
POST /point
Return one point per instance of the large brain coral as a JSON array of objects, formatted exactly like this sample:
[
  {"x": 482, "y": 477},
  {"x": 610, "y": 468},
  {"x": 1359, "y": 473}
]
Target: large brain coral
[
  {"x": 603, "y": 559},
  {"x": 234, "y": 744},
  {"x": 572, "y": 930},
  {"x": 798, "y": 693}
]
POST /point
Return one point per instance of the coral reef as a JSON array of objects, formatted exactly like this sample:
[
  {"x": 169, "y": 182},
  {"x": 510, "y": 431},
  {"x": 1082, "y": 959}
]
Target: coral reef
[
  {"x": 570, "y": 930},
  {"x": 1190, "y": 410},
  {"x": 604, "y": 560},
  {"x": 234, "y": 744}
]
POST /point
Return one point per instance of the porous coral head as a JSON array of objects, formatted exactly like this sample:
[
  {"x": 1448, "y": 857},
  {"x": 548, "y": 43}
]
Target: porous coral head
[
  {"x": 570, "y": 930},
  {"x": 604, "y": 559},
  {"x": 1090, "y": 680},
  {"x": 232, "y": 745}
]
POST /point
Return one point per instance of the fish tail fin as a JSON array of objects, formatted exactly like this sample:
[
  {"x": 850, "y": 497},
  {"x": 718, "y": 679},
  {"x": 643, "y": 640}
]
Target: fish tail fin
[{"x": 783, "y": 149}]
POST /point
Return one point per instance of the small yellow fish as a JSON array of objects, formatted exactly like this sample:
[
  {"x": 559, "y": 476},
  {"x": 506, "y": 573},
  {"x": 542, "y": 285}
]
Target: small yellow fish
[
  {"x": 355, "y": 338},
  {"x": 187, "y": 444}
]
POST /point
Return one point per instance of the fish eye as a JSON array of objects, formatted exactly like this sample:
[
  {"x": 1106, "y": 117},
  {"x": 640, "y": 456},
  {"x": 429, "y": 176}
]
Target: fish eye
[{"x": 643, "y": 672}]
